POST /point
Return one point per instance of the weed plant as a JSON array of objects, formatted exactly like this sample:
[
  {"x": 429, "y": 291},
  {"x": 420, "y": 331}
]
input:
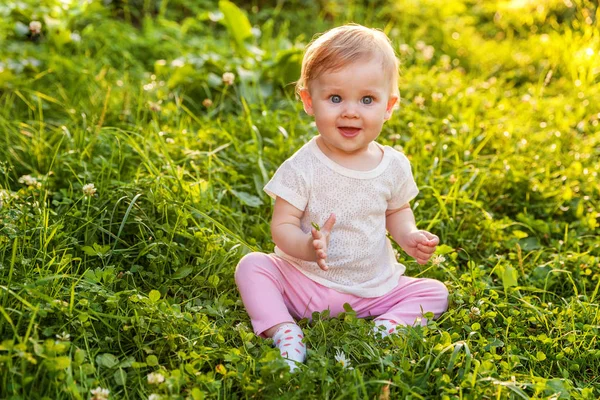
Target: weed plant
[{"x": 131, "y": 185}]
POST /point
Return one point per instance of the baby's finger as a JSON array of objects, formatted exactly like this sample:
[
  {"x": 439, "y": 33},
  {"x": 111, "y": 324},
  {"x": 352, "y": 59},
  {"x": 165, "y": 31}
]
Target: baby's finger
[
  {"x": 426, "y": 249},
  {"x": 321, "y": 254},
  {"x": 432, "y": 240},
  {"x": 322, "y": 265},
  {"x": 422, "y": 255},
  {"x": 314, "y": 232},
  {"x": 317, "y": 244}
]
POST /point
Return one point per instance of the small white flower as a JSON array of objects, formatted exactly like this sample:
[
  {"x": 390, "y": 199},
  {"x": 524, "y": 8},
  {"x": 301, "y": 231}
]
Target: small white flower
[
  {"x": 4, "y": 195},
  {"x": 419, "y": 100},
  {"x": 64, "y": 337},
  {"x": 154, "y": 106},
  {"x": 207, "y": 103},
  {"x": 35, "y": 27},
  {"x": 436, "y": 96},
  {"x": 240, "y": 327},
  {"x": 154, "y": 396},
  {"x": 75, "y": 37},
  {"x": 428, "y": 52},
  {"x": 60, "y": 303},
  {"x": 170, "y": 140},
  {"x": 475, "y": 311},
  {"x": 341, "y": 358},
  {"x": 89, "y": 190},
  {"x": 30, "y": 181},
  {"x": 404, "y": 48},
  {"x": 154, "y": 378},
  {"x": 100, "y": 393},
  {"x": 228, "y": 78},
  {"x": 438, "y": 259}
]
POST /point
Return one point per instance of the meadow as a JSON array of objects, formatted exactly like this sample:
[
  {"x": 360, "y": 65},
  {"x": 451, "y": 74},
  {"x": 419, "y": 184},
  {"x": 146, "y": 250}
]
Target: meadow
[{"x": 136, "y": 137}]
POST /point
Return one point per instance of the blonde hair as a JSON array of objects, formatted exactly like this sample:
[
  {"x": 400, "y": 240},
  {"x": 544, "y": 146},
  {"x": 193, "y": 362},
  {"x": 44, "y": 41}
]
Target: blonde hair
[{"x": 343, "y": 45}]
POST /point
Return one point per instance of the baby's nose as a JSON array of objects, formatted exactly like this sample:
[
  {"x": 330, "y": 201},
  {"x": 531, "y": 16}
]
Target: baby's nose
[{"x": 350, "y": 112}]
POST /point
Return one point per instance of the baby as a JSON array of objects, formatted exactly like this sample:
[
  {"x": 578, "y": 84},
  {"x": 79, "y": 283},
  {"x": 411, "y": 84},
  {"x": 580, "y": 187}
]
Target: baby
[{"x": 357, "y": 189}]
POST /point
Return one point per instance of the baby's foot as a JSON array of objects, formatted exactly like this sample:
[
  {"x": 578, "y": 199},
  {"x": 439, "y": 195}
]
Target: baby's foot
[
  {"x": 288, "y": 339},
  {"x": 390, "y": 327}
]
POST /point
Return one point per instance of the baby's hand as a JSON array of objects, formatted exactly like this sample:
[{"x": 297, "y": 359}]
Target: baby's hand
[
  {"x": 321, "y": 241},
  {"x": 420, "y": 245}
]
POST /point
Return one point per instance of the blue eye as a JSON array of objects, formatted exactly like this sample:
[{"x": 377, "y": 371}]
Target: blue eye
[
  {"x": 367, "y": 100},
  {"x": 335, "y": 99}
]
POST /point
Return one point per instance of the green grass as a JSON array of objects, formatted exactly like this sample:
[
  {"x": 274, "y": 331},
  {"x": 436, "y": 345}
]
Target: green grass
[{"x": 502, "y": 128}]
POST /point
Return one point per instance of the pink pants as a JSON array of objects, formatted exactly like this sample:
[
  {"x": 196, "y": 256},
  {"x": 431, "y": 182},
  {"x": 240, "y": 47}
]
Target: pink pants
[{"x": 274, "y": 291}]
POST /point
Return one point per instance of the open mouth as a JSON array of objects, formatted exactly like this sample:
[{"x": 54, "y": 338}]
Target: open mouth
[{"x": 348, "y": 131}]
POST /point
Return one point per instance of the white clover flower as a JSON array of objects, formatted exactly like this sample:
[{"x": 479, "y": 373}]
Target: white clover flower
[
  {"x": 64, "y": 337},
  {"x": 30, "y": 181},
  {"x": 404, "y": 48},
  {"x": 438, "y": 259},
  {"x": 228, "y": 78},
  {"x": 154, "y": 106},
  {"x": 428, "y": 52},
  {"x": 207, "y": 103},
  {"x": 341, "y": 358},
  {"x": 170, "y": 140},
  {"x": 436, "y": 96},
  {"x": 100, "y": 393},
  {"x": 60, "y": 303},
  {"x": 475, "y": 311},
  {"x": 154, "y": 378},
  {"x": 419, "y": 100},
  {"x": 240, "y": 327},
  {"x": 154, "y": 396},
  {"x": 35, "y": 27},
  {"x": 4, "y": 195},
  {"x": 89, "y": 190},
  {"x": 75, "y": 37}
]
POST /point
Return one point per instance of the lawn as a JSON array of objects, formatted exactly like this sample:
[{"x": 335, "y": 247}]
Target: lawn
[{"x": 136, "y": 137}]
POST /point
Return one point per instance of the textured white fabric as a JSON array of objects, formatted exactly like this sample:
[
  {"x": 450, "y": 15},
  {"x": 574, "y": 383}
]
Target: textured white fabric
[{"x": 360, "y": 257}]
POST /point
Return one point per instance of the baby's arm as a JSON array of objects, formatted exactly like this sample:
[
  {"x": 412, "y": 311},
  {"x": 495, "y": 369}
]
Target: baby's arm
[
  {"x": 416, "y": 243},
  {"x": 286, "y": 232}
]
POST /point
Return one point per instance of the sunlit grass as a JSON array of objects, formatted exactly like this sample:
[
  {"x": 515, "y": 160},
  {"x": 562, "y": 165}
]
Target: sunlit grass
[{"x": 100, "y": 290}]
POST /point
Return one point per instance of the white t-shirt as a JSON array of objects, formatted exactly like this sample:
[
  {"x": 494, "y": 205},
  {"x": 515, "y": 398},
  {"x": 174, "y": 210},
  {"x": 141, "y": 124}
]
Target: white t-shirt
[{"x": 360, "y": 257}]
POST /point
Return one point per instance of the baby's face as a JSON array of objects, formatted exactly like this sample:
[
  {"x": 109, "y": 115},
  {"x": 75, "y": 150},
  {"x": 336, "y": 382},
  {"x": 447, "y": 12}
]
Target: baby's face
[{"x": 350, "y": 105}]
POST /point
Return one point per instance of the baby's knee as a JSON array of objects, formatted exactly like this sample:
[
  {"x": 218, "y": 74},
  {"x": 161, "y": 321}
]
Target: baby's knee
[
  {"x": 439, "y": 288},
  {"x": 439, "y": 292},
  {"x": 249, "y": 265}
]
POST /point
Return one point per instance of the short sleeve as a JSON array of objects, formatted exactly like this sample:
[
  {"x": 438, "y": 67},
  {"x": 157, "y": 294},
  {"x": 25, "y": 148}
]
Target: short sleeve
[
  {"x": 405, "y": 188},
  {"x": 289, "y": 183}
]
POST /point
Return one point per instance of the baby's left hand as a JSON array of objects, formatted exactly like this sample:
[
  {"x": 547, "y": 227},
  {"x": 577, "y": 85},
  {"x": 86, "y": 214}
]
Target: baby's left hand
[{"x": 420, "y": 245}]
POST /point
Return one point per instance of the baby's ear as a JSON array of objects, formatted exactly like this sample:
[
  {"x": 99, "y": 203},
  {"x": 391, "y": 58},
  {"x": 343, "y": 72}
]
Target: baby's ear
[
  {"x": 306, "y": 101},
  {"x": 389, "y": 108}
]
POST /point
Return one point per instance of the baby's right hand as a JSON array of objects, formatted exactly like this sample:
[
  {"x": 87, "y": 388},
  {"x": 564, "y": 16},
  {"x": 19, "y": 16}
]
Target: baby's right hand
[{"x": 321, "y": 241}]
